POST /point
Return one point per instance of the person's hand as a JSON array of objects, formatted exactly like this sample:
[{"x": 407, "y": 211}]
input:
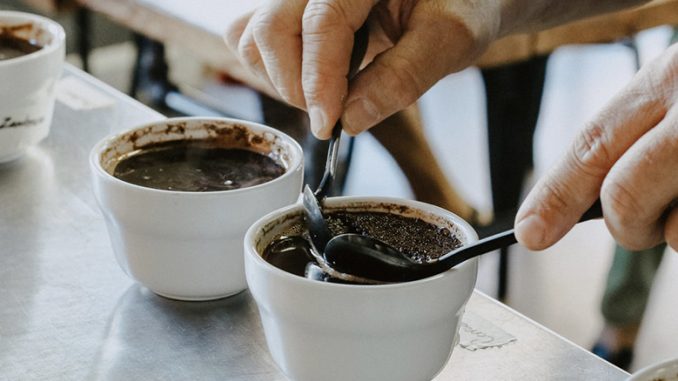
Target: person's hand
[
  {"x": 303, "y": 47},
  {"x": 629, "y": 156}
]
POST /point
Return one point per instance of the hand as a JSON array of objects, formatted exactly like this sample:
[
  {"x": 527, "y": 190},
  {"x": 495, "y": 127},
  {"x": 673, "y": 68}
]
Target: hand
[
  {"x": 303, "y": 47},
  {"x": 629, "y": 155}
]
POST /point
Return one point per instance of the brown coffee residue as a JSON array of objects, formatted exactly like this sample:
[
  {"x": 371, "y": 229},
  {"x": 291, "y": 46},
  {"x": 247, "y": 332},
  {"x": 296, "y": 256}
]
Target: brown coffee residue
[
  {"x": 177, "y": 128},
  {"x": 15, "y": 41},
  {"x": 220, "y": 134}
]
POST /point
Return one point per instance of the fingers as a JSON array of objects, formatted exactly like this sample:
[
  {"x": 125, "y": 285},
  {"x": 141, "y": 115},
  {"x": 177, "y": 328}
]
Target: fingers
[
  {"x": 268, "y": 43},
  {"x": 240, "y": 39},
  {"x": 560, "y": 198},
  {"x": 640, "y": 187},
  {"x": 235, "y": 31},
  {"x": 400, "y": 75},
  {"x": 277, "y": 33},
  {"x": 327, "y": 33}
]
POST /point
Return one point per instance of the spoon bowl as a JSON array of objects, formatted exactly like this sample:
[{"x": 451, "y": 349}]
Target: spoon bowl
[
  {"x": 370, "y": 258},
  {"x": 318, "y": 230}
]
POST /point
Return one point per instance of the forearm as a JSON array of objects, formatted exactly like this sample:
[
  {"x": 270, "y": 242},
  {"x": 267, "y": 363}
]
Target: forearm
[{"x": 519, "y": 16}]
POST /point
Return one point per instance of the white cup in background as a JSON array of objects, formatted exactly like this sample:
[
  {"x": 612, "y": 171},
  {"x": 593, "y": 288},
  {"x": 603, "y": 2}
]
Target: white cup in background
[
  {"x": 188, "y": 245},
  {"x": 27, "y": 82},
  {"x": 666, "y": 370}
]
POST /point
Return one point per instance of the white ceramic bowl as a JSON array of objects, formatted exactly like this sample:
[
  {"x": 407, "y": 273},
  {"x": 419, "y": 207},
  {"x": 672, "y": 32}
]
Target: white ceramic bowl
[
  {"x": 188, "y": 245},
  {"x": 664, "y": 371},
  {"x": 327, "y": 331},
  {"x": 27, "y": 84}
]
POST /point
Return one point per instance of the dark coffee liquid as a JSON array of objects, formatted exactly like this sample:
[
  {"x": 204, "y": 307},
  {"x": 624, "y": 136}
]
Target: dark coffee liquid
[
  {"x": 13, "y": 47},
  {"x": 413, "y": 237},
  {"x": 196, "y": 166}
]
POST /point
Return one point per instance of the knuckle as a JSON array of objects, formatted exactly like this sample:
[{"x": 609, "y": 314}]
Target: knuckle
[
  {"x": 659, "y": 79},
  {"x": 321, "y": 14},
  {"x": 268, "y": 25},
  {"x": 621, "y": 203},
  {"x": 466, "y": 36},
  {"x": 232, "y": 38},
  {"x": 556, "y": 199},
  {"x": 405, "y": 83},
  {"x": 409, "y": 77},
  {"x": 590, "y": 152},
  {"x": 249, "y": 52},
  {"x": 235, "y": 32}
]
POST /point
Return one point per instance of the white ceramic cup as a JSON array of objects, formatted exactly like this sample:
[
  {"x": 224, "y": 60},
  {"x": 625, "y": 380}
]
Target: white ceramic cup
[
  {"x": 328, "y": 331},
  {"x": 666, "y": 370},
  {"x": 27, "y": 82},
  {"x": 188, "y": 245}
]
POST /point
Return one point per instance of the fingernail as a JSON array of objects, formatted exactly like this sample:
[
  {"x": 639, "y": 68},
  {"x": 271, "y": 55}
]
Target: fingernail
[
  {"x": 318, "y": 120},
  {"x": 531, "y": 231},
  {"x": 360, "y": 115}
]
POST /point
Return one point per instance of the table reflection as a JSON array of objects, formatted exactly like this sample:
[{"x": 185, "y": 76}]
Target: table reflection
[{"x": 149, "y": 337}]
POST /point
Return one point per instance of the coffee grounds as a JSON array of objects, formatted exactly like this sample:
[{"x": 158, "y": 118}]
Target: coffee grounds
[{"x": 413, "y": 237}]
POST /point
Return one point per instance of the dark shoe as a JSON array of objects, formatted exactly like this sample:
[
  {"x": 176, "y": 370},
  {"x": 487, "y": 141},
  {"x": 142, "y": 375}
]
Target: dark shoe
[{"x": 621, "y": 358}]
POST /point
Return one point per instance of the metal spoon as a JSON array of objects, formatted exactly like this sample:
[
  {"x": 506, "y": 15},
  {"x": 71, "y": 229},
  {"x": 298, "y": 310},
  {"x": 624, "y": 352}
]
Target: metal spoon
[
  {"x": 367, "y": 257},
  {"x": 317, "y": 227}
]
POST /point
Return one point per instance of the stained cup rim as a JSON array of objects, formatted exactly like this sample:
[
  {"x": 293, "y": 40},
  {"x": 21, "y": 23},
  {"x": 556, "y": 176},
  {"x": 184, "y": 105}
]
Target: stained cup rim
[
  {"x": 56, "y": 30},
  {"x": 99, "y": 147},
  {"x": 252, "y": 253}
]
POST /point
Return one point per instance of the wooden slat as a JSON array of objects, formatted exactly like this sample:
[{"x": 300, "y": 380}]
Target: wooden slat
[
  {"x": 598, "y": 29},
  {"x": 208, "y": 45},
  {"x": 50, "y": 6}
]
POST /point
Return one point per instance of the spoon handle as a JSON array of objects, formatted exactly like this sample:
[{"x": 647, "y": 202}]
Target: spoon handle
[
  {"x": 485, "y": 245},
  {"x": 359, "y": 48},
  {"x": 503, "y": 239},
  {"x": 330, "y": 164}
]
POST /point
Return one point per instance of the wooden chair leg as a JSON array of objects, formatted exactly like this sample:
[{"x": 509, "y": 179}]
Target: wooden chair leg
[{"x": 403, "y": 137}]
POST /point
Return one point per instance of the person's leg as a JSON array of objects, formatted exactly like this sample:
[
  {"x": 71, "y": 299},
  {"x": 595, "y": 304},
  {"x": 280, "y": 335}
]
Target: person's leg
[
  {"x": 627, "y": 290},
  {"x": 513, "y": 94},
  {"x": 628, "y": 284}
]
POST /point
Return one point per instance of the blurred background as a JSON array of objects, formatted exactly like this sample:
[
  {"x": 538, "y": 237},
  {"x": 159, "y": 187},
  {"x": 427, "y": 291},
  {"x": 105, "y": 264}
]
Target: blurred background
[{"x": 560, "y": 288}]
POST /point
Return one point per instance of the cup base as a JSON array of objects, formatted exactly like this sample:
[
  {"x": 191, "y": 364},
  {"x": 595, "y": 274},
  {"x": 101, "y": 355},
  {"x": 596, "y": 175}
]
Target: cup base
[
  {"x": 12, "y": 156},
  {"x": 183, "y": 298}
]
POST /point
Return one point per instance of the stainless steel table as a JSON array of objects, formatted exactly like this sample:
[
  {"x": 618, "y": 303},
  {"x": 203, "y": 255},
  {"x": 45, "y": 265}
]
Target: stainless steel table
[{"x": 67, "y": 312}]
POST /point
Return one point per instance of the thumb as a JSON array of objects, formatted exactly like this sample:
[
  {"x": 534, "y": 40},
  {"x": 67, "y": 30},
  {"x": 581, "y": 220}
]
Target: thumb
[{"x": 400, "y": 75}]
